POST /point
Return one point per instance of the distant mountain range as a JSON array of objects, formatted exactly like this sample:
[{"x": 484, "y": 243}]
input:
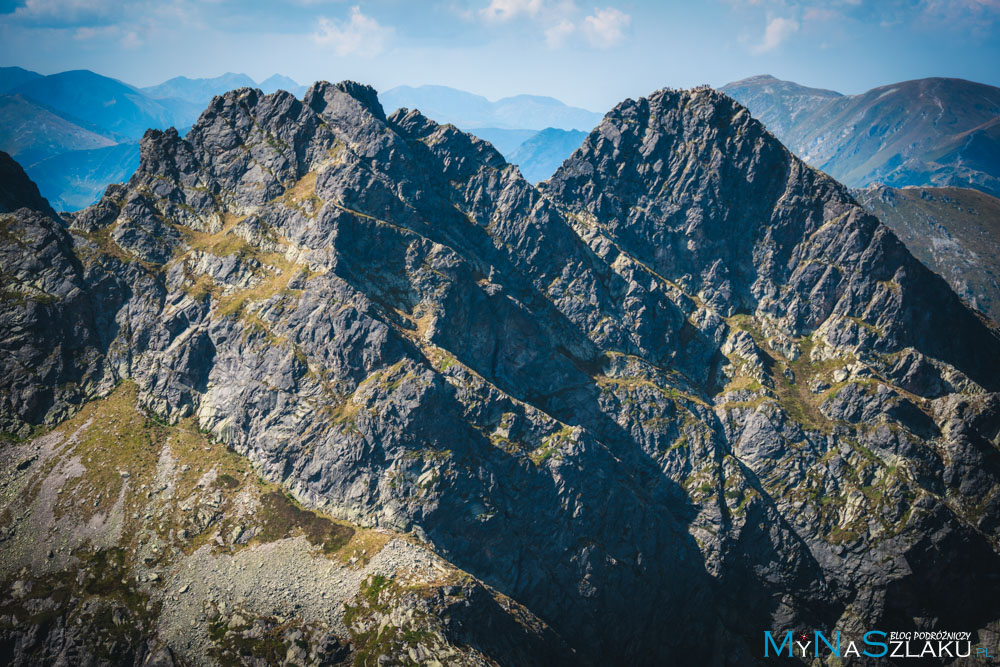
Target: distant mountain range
[
  {"x": 931, "y": 132},
  {"x": 941, "y": 132},
  {"x": 75, "y": 132},
  {"x": 504, "y": 140},
  {"x": 78, "y": 131},
  {"x": 107, "y": 105},
  {"x": 32, "y": 132},
  {"x": 80, "y": 177},
  {"x": 198, "y": 90},
  {"x": 201, "y": 91},
  {"x": 469, "y": 112}
]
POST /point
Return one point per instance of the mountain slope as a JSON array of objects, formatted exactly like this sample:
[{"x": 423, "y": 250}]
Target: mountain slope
[
  {"x": 684, "y": 390},
  {"x": 76, "y": 179},
  {"x": 539, "y": 156},
  {"x": 105, "y": 103},
  {"x": 952, "y": 230},
  {"x": 11, "y": 77},
  {"x": 781, "y": 105},
  {"x": 468, "y": 111},
  {"x": 199, "y": 91},
  {"x": 135, "y": 542},
  {"x": 276, "y": 82},
  {"x": 923, "y": 132},
  {"x": 32, "y": 132}
]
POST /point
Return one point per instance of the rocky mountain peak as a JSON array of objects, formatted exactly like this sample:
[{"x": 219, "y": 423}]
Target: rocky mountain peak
[
  {"x": 696, "y": 188},
  {"x": 323, "y": 93}
]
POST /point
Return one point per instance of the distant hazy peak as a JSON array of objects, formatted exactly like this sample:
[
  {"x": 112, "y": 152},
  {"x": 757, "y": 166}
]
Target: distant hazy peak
[
  {"x": 468, "y": 110},
  {"x": 766, "y": 80}
]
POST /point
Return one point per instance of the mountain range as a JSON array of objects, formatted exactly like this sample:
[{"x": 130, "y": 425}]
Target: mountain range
[
  {"x": 78, "y": 131},
  {"x": 683, "y": 391},
  {"x": 72, "y": 131},
  {"x": 201, "y": 91},
  {"x": 468, "y": 111},
  {"x": 935, "y": 132}
]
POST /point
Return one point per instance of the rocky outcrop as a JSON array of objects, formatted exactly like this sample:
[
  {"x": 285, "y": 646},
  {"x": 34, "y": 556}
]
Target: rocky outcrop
[
  {"x": 53, "y": 343},
  {"x": 17, "y": 190},
  {"x": 685, "y": 391}
]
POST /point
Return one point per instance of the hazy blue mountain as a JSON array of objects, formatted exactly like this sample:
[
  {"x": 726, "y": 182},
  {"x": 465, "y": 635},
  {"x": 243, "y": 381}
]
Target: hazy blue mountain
[
  {"x": 938, "y": 131},
  {"x": 76, "y": 179},
  {"x": 199, "y": 91},
  {"x": 504, "y": 140},
  {"x": 469, "y": 111},
  {"x": 116, "y": 108},
  {"x": 12, "y": 77},
  {"x": 277, "y": 82},
  {"x": 31, "y": 132},
  {"x": 183, "y": 112},
  {"x": 543, "y": 112},
  {"x": 539, "y": 156},
  {"x": 76, "y": 132}
]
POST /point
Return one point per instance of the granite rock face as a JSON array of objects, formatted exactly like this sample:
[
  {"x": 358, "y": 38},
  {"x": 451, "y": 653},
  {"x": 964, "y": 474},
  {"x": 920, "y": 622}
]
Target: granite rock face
[
  {"x": 17, "y": 190},
  {"x": 685, "y": 391}
]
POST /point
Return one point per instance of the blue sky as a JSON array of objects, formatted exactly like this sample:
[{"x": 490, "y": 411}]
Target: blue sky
[{"x": 591, "y": 54}]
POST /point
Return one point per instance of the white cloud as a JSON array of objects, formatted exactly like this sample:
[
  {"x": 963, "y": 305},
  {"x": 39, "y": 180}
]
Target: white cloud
[
  {"x": 69, "y": 12},
  {"x": 820, "y": 15},
  {"x": 360, "y": 35},
  {"x": 556, "y": 35},
  {"x": 131, "y": 40},
  {"x": 777, "y": 31},
  {"x": 87, "y": 32},
  {"x": 606, "y": 27},
  {"x": 505, "y": 10}
]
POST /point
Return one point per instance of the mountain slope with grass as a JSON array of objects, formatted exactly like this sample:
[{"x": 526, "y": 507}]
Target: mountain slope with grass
[{"x": 933, "y": 132}]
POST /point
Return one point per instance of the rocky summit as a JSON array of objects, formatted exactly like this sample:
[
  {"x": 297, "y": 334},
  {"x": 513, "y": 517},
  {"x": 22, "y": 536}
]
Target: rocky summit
[{"x": 685, "y": 391}]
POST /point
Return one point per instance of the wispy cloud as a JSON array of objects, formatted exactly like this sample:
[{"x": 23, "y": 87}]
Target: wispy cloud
[
  {"x": 977, "y": 16},
  {"x": 53, "y": 13},
  {"x": 562, "y": 22},
  {"x": 359, "y": 35},
  {"x": 820, "y": 15},
  {"x": 505, "y": 10},
  {"x": 556, "y": 35},
  {"x": 605, "y": 28},
  {"x": 777, "y": 31}
]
